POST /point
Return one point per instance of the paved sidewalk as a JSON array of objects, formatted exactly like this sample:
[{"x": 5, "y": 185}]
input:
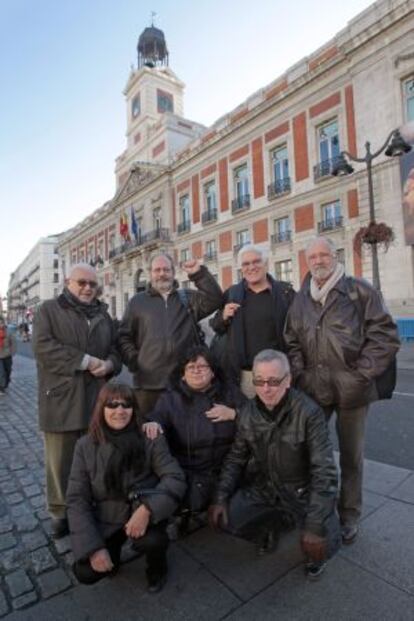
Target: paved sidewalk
[{"x": 211, "y": 576}]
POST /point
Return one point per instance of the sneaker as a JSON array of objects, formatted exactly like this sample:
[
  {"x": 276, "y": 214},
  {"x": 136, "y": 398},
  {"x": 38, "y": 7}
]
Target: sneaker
[
  {"x": 156, "y": 583},
  {"x": 349, "y": 533},
  {"x": 314, "y": 569}
]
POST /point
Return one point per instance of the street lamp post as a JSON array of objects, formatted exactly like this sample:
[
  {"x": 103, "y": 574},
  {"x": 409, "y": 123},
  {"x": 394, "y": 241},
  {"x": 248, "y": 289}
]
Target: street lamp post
[{"x": 394, "y": 146}]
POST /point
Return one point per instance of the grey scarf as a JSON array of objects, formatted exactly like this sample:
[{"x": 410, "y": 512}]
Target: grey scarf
[{"x": 320, "y": 294}]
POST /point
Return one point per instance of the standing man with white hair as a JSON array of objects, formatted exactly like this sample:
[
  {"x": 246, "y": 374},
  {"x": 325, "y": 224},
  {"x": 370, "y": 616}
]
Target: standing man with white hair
[
  {"x": 253, "y": 316},
  {"x": 74, "y": 343},
  {"x": 340, "y": 338}
]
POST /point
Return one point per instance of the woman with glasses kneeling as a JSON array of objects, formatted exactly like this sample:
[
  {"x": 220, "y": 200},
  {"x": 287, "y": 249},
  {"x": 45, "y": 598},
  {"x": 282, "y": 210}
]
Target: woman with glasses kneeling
[
  {"x": 121, "y": 485},
  {"x": 197, "y": 415}
]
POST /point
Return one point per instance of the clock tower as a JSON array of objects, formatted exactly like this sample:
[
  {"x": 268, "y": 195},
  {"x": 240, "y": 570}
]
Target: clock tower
[{"x": 154, "y": 105}]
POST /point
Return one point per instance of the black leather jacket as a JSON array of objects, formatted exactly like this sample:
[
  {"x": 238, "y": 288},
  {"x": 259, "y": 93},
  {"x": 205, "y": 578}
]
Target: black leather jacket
[{"x": 290, "y": 455}]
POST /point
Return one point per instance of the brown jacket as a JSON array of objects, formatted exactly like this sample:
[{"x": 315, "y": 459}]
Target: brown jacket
[
  {"x": 337, "y": 350},
  {"x": 61, "y": 337}
]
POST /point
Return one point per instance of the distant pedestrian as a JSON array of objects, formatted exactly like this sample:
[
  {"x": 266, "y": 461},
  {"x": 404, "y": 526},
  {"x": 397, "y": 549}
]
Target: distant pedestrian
[
  {"x": 74, "y": 344},
  {"x": 7, "y": 351}
]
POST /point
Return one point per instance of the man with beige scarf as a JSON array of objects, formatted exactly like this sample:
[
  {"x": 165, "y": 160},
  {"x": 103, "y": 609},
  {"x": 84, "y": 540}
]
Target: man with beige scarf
[{"x": 340, "y": 338}]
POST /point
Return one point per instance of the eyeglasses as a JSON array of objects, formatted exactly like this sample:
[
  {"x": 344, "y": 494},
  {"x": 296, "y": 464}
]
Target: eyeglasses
[
  {"x": 195, "y": 368},
  {"x": 273, "y": 382},
  {"x": 82, "y": 282},
  {"x": 253, "y": 263},
  {"x": 112, "y": 405}
]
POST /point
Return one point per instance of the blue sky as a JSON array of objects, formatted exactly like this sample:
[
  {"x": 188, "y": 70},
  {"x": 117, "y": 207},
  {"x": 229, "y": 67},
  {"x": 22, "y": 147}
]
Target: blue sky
[{"x": 63, "y": 66}]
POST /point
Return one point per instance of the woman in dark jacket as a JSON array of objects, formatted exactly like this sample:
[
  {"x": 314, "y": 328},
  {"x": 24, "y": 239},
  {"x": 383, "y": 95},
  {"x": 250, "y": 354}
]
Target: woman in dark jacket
[
  {"x": 121, "y": 485},
  {"x": 197, "y": 417}
]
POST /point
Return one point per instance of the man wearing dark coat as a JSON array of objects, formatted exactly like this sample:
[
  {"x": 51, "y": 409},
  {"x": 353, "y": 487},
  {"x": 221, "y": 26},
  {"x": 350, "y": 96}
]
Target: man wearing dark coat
[
  {"x": 74, "y": 344},
  {"x": 280, "y": 465},
  {"x": 161, "y": 324},
  {"x": 252, "y": 318},
  {"x": 340, "y": 338}
]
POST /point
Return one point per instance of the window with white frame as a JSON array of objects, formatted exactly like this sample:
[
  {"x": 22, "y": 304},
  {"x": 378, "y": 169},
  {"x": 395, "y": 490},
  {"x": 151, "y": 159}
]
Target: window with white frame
[
  {"x": 156, "y": 219},
  {"x": 331, "y": 216},
  {"x": 210, "y": 196},
  {"x": 328, "y": 141},
  {"x": 242, "y": 237},
  {"x": 112, "y": 241},
  {"x": 241, "y": 182},
  {"x": 239, "y": 275},
  {"x": 211, "y": 248},
  {"x": 184, "y": 254},
  {"x": 408, "y": 93},
  {"x": 185, "y": 209},
  {"x": 282, "y": 229},
  {"x": 280, "y": 169},
  {"x": 340, "y": 254},
  {"x": 283, "y": 270}
]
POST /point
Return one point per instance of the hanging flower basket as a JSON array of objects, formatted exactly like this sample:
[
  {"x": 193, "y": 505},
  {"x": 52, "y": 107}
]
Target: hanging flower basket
[{"x": 377, "y": 233}]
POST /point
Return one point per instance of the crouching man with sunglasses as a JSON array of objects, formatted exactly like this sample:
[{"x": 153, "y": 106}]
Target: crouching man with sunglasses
[
  {"x": 74, "y": 343},
  {"x": 280, "y": 469}
]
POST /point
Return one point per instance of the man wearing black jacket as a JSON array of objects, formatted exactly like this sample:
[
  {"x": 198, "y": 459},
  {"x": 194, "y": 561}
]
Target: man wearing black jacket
[
  {"x": 160, "y": 325},
  {"x": 283, "y": 437},
  {"x": 252, "y": 318}
]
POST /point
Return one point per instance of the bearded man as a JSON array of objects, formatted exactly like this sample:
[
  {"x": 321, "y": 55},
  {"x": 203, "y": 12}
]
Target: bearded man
[
  {"x": 160, "y": 325},
  {"x": 340, "y": 338}
]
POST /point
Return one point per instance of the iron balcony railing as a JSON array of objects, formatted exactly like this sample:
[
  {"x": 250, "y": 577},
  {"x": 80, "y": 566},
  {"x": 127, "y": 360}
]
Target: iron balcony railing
[
  {"x": 239, "y": 246},
  {"x": 330, "y": 223},
  {"x": 240, "y": 203},
  {"x": 281, "y": 236},
  {"x": 209, "y": 216},
  {"x": 160, "y": 233},
  {"x": 210, "y": 256},
  {"x": 183, "y": 227},
  {"x": 278, "y": 187},
  {"x": 324, "y": 169}
]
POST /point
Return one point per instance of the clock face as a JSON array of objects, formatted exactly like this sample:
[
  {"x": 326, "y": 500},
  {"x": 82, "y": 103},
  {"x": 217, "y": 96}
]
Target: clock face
[{"x": 136, "y": 106}]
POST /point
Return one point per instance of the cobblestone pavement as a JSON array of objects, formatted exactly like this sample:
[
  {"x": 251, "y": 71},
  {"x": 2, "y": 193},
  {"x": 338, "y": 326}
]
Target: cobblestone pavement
[{"x": 32, "y": 566}]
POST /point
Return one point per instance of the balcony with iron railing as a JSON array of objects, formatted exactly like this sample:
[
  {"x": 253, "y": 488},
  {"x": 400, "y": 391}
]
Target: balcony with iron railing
[
  {"x": 239, "y": 246},
  {"x": 323, "y": 170},
  {"x": 329, "y": 224},
  {"x": 278, "y": 188},
  {"x": 210, "y": 256},
  {"x": 281, "y": 237},
  {"x": 240, "y": 203},
  {"x": 210, "y": 215},
  {"x": 183, "y": 227},
  {"x": 161, "y": 234}
]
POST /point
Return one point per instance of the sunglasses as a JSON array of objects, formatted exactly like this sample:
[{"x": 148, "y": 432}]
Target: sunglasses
[
  {"x": 273, "y": 382},
  {"x": 113, "y": 405},
  {"x": 82, "y": 282}
]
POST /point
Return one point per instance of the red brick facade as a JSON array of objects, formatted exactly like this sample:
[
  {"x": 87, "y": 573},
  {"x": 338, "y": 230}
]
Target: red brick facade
[
  {"x": 195, "y": 190},
  {"x": 258, "y": 171},
  {"x": 225, "y": 241},
  {"x": 300, "y": 142},
  {"x": 260, "y": 231},
  {"x": 304, "y": 218},
  {"x": 353, "y": 208},
  {"x": 224, "y": 184}
]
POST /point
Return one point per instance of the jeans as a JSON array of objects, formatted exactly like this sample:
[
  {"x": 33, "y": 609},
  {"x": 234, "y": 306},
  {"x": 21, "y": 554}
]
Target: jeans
[{"x": 249, "y": 517}]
